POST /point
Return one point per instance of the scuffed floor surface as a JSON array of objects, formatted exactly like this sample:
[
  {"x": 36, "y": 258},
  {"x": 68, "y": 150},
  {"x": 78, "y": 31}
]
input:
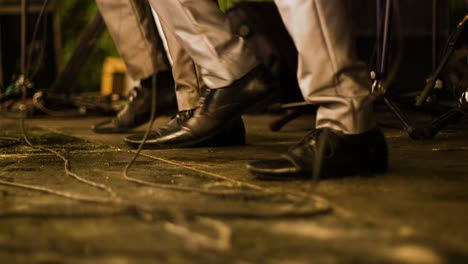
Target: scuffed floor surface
[{"x": 202, "y": 206}]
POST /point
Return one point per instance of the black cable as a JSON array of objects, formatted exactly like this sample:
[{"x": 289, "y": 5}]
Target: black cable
[
  {"x": 166, "y": 186},
  {"x": 41, "y": 56},
  {"x": 2, "y": 81},
  {"x": 24, "y": 15},
  {"x": 145, "y": 137},
  {"x": 8, "y": 141},
  {"x": 33, "y": 39}
]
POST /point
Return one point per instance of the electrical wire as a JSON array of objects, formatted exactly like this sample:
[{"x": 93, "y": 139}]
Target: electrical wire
[
  {"x": 8, "y": 141},
  {"x": 2, "y": 84},
  {"x": 34, "y": 36},
  {"x": 256, "y": 191},
  {"x": 126, "y": 170},
  {"x": 53, "y": 113},
  {"x": 40, "y": 57},
  {"x": 66, "y": 164}
]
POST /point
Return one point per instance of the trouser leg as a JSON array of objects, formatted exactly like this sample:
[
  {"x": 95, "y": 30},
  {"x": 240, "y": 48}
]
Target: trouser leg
[
  {"x": 328, "y": 72},
  {"x": 187, "y": 83},
  {"x": 204, "y": 32},
  {"x": 132, "y": 28}
]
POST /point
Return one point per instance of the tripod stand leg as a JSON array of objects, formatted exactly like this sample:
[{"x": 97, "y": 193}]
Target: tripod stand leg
[
  {"x": 383, "y": 39},
  {"x": 442, "y": 121},
  {"x": 451, "y": 44},
  {"x": 24, "y": 21},
  {"x": 397, "y": 112},
  {"x": 435, "y": 32},
  {"x": 386, "y": 37}
]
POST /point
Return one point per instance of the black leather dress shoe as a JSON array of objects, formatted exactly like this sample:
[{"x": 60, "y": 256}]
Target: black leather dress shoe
[
  {"x": 336, "y": 153},
  {"x": 138, "y": 109},
  {"x": 234, "y": 134},
  {"x": 219, "y": 109},
  {"x": 172, "y": 126}
]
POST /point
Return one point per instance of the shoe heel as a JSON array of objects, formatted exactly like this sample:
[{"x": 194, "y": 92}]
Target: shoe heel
[
  {"x": 263, "y": 103},
  {"x": 379, "y": 159},
  {"x": 379, "y": 167}
]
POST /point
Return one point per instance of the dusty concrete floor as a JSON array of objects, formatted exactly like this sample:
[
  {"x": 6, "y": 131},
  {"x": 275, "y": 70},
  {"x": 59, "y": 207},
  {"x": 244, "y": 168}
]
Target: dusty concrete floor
[{"x": 416, "y": 213}]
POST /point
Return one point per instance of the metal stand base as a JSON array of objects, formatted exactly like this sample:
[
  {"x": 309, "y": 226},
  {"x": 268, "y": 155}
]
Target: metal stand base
[{"x": 425, "y": 131}]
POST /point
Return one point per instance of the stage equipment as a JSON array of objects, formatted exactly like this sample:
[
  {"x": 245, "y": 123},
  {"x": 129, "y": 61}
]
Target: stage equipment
[
  {"x": 40, "y": 54},
  {"x": 18, "y": 88},
  {"x": 382, "y": 78}
]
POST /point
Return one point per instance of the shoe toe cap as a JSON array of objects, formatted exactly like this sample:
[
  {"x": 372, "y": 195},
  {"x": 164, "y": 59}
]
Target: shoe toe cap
[
  {"x": 274, "y": 167},
  {"x": 105, "y": 127},
  {"x": 135, "y": 138}
]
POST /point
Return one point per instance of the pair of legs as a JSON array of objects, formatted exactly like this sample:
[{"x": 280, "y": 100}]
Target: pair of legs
[
  {"x": 145, "y": 48},
  {"x": 141, "y": 45},
  {"x": 328, "y": 72}
]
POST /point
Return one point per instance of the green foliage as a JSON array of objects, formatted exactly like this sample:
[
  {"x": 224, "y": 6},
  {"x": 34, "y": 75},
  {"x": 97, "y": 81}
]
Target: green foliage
[
  {"x": 458, "y": 10},
  {"x": 75, "y": 16},
  {"x": 227, "y": 4}
]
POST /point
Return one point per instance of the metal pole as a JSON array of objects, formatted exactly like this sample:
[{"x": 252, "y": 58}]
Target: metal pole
[
  {"x": 386, "y": 37},
  {"x": 435, "y": 33},
  {"x": 378, "y": 36},
  {"x": 24, "y": 28}
]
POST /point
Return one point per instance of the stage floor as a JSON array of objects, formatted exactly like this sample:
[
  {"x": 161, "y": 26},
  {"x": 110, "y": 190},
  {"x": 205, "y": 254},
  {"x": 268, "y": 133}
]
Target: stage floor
[{"x": 416, "y": 213}]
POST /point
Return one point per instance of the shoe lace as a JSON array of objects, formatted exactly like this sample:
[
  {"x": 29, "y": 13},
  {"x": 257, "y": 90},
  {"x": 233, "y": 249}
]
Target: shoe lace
[
  {"x": 182, "y": 116},
  {"x": 312, "y": 139},
  {"x": 133, "y": 94},
  {"x": 322, "y": 142},
  {"x": 202, "y": 100},
  {"x": 306, "y": 140}
]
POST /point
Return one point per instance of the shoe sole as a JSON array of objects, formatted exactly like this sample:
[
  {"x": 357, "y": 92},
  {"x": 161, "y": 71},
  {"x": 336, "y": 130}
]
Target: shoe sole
[
  {"x": 201, "y": 141},
  {"x": 207, "y": 141}
]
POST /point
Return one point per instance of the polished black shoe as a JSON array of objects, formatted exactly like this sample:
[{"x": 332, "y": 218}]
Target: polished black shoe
[
  {"x": 232, "y": 135},
  {"x": 219, "y": 108},
  {"x": 138, "y": 109},
  {"x": 327, "y": 153},
  {"x": 172, "y": 126}
]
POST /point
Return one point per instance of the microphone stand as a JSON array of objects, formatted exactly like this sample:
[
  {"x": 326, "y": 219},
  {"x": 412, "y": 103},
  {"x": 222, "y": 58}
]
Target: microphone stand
[
  {"x": 21, "y": 82},
  {"x": 24, "y": 27},
  {"x": 19, "y": 88},
  {"x": 427, "y": 130}
]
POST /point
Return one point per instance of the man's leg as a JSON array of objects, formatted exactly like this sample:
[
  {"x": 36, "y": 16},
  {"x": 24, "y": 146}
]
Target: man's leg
[
  {"x": 232, "y": 73},
  {"x": 132, "y": 28},
  {"x": 188, "y": 86},
  {"x": 204, "y": 32},
  {"x": 328, "y": 72},
  {"x": 330, "y": 75}
]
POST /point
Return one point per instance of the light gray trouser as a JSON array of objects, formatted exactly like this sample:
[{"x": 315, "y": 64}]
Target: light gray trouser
[
  {"x": 328, "y": 72},
  {"x": 132, "y": 28}
]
